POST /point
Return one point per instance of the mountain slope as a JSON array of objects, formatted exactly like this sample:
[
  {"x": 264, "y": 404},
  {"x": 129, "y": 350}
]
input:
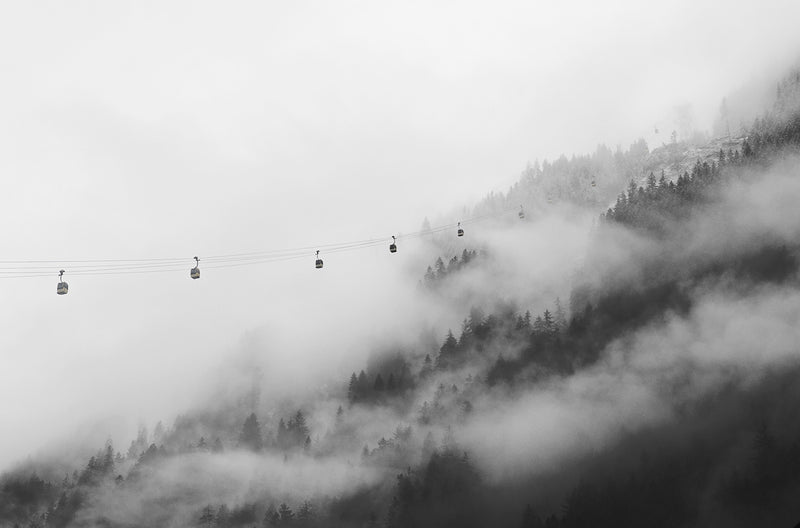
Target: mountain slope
[{"x": 664, "y": 394}]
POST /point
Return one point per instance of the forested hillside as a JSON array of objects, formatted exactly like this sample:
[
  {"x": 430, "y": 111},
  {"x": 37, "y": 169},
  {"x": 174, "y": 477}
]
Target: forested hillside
[{"x": 662, "y": 392}]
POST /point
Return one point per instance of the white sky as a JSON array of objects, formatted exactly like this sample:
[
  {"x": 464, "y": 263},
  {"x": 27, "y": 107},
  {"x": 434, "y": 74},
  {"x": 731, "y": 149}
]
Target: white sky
[{"x": 150, "y": 129}]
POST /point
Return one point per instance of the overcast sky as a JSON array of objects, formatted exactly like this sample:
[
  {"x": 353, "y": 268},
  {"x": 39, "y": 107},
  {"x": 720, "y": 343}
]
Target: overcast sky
[{"x": 154, "y": 129}]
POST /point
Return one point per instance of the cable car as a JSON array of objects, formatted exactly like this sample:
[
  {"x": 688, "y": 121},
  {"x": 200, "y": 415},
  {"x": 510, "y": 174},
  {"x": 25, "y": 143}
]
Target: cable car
[
  {"x": 393, "y": 245},
  {"x": 460, "y": 231},
  {"x": 195, "y": 273},
  {"x": 318, "y": 263},
  {"x": 63, "y": 287},
  {"x": 594, "y": 183},
  {"x": 521, "y": 213},
  {"x": 549, "y": 199}
]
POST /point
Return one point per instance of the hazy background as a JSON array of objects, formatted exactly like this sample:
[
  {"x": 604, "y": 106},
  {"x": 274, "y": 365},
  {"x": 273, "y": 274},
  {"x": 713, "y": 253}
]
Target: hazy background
[{"x": 149, "y": 130}]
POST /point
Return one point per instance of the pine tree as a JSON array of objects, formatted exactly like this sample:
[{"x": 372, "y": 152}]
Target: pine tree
[
  {"x": 440, "y": 269},
  {"x": 476, "y": 319},
  {"x": 447, "y": 352},
  {"x": 465, "y": 340},
  {"x": 286, "y": 514},
  {"x": 250, "y": 437},
  {"x": 747, "y": 150},
  {"x": 539, "y": 326},
  {"x": 223, "y": 516},
  {"x": 352, "y": 389},
  {"x": 632, "y": 192},
  {"x": 379, "y": 386},
  {"x": 363, "y": 385},
  {"x": 426, "y": 225},
  {"x": 301, "y": 430},
  {"x": 427, "y": 367},
  {"x": 549, "y": 324},
  {"x": 305, "y": 513},
  {"x": 207, "y": 516},
  {"x": 425, "y": 413},
  {"x": 430, "y": 278},
  {"x": 271, "y": 517},
  {"x": 651, "y": 184},
  {"x": 158, "y": 433},
  {"x": 107, "y": 465},
  {"x": 282, "y": 436},
  {"x": 560, "y": 316},
  {"x": 453, "y": 265}
]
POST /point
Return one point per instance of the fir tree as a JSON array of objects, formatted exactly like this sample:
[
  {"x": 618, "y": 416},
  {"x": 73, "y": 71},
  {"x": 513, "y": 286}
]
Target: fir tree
[
  {"x": 305, "y": 513},
  {"x": 250, "y": 437},
  {"x": 560, "y": 316},
  {"x": 207, "y": 516},
  {"x": 363, "y": 385},
  {"x": 651, "y": 184},
  {"x": 427, "y": 367},
  {"x": 223, "y": 516},
  {"x": 447, "y": 352},
  {"x": 286, "y": 514},
  {"x": 352, "y": 389},
  {"x": 271, "y": 517}
]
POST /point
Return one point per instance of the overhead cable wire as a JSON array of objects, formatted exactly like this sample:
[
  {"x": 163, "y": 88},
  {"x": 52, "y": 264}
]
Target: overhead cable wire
[{"x": 29, "y": 268}]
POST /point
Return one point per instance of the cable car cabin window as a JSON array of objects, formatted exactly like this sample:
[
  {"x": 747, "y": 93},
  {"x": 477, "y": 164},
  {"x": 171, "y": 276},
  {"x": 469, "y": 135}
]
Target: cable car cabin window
[{"x": 318, "y": 264}]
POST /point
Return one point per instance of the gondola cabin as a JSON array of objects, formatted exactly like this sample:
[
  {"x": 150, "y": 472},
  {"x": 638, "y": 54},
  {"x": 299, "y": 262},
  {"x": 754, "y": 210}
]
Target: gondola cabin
[
  {"x": 460, "y": 231},
  {"x": 393, "y": 246},
  {"x": 62, "y": 287},
  {"x": 195, "y": 271},
  {"x": 318, "y": 263}
]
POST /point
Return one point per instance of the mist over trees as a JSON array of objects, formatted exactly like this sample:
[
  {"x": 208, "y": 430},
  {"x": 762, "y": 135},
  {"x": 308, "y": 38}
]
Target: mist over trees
[{"x": 393, "y": 444}]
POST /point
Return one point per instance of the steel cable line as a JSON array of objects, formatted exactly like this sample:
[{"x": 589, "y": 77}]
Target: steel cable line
[{"x": 15, "y": 269}]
